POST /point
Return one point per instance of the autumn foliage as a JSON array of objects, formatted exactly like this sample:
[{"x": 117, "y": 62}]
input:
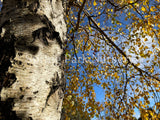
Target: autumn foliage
[{"x": 112, "y": 58}]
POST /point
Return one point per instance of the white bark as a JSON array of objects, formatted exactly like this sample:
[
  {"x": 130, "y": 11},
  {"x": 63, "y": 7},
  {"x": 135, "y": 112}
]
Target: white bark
[{"x": 38, "y": 68}]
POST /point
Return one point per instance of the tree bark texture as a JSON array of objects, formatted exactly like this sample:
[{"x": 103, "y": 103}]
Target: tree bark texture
[{"x": 32, "y": 33}]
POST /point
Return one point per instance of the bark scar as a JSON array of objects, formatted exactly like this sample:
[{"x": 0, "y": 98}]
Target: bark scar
[{"x": 47, "y": 32}]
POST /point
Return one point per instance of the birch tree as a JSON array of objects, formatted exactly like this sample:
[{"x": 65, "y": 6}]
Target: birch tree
[{"x": 31, "y": 59}]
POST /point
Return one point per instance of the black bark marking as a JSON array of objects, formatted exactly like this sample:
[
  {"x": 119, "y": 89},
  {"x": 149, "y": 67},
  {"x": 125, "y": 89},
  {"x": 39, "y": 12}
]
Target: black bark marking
[
  {"x": 61, "y": 61},
  {"x": 46, "y": 32},
  {"x": 56, "y": 79},
  {"x": 20, "y": 4},
  {"x": 63, "y": 82},
  {"x": 29, "y": 64},
  {"x": 3, "y": 23},
  {"x": 35, "y": 92},
  {"x": 33, "y": 49},
  {"x": 17, "y": 62},
  {"x": 6, "y": 110},
  {"x": 7, "y": 52},
  {"x": 21, "y": 88},
  {"x": 34, "y": 6},
  {"x": 29, "y": 98},
  {"x": 47, "y": 82},
  {"x": 27, "y": 88},
  {"x": 30, "y": 118},
  {"x": 59, "y": 41},
  {"x": 23, "y": 45},
  {"x": 20, "y": 54},
  {"x": 9, "y": 80},
  {"x": 51, "y": 14},
  {"x": 41, "y": 33},
  {"x": 21, "y": 97}
]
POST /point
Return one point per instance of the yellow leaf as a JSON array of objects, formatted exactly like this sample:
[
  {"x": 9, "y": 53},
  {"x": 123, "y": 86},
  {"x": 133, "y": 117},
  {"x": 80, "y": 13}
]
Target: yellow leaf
[
  {"x": 116, "y": 75},
  {"x": 153, "y": 45},
  {"x": 145, "y": 39},
  {"x": 143, "y": 9},
  {"x": 115, "y": 38},
  {"x": 112, "y": 95},
  {"x": 98, "y": 24},
  {"x": 130, "y": 1},
  {"x": 94, "y": 3},
  {"x": 89, "y": 28},
  {"x": 152, "y": 70},
  {"x": 152, "y": 9},
  {"x": 138, "y": 39},
  {"x": 106, "y": 111}
]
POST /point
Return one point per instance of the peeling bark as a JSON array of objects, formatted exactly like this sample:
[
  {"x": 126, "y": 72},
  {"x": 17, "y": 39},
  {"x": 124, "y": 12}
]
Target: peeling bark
[{"x": 31, "y": 60}]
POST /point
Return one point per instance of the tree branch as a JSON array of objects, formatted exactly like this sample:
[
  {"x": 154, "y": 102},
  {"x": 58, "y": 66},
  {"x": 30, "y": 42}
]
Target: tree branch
[
  {"x": 120, "y": 51},
  {"x": 79, "y": 15}
]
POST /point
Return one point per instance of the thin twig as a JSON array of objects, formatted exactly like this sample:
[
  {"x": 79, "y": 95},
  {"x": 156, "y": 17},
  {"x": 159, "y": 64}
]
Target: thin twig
[{"x": 79, "y": 15}]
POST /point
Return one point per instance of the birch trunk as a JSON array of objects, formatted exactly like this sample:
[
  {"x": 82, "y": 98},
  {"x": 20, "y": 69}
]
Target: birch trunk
[{"x": 31, "y": 59}]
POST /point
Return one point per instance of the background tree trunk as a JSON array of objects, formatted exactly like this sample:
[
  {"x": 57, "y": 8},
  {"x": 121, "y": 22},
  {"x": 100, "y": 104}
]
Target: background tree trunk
[{"x": 31, "y": 59}]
